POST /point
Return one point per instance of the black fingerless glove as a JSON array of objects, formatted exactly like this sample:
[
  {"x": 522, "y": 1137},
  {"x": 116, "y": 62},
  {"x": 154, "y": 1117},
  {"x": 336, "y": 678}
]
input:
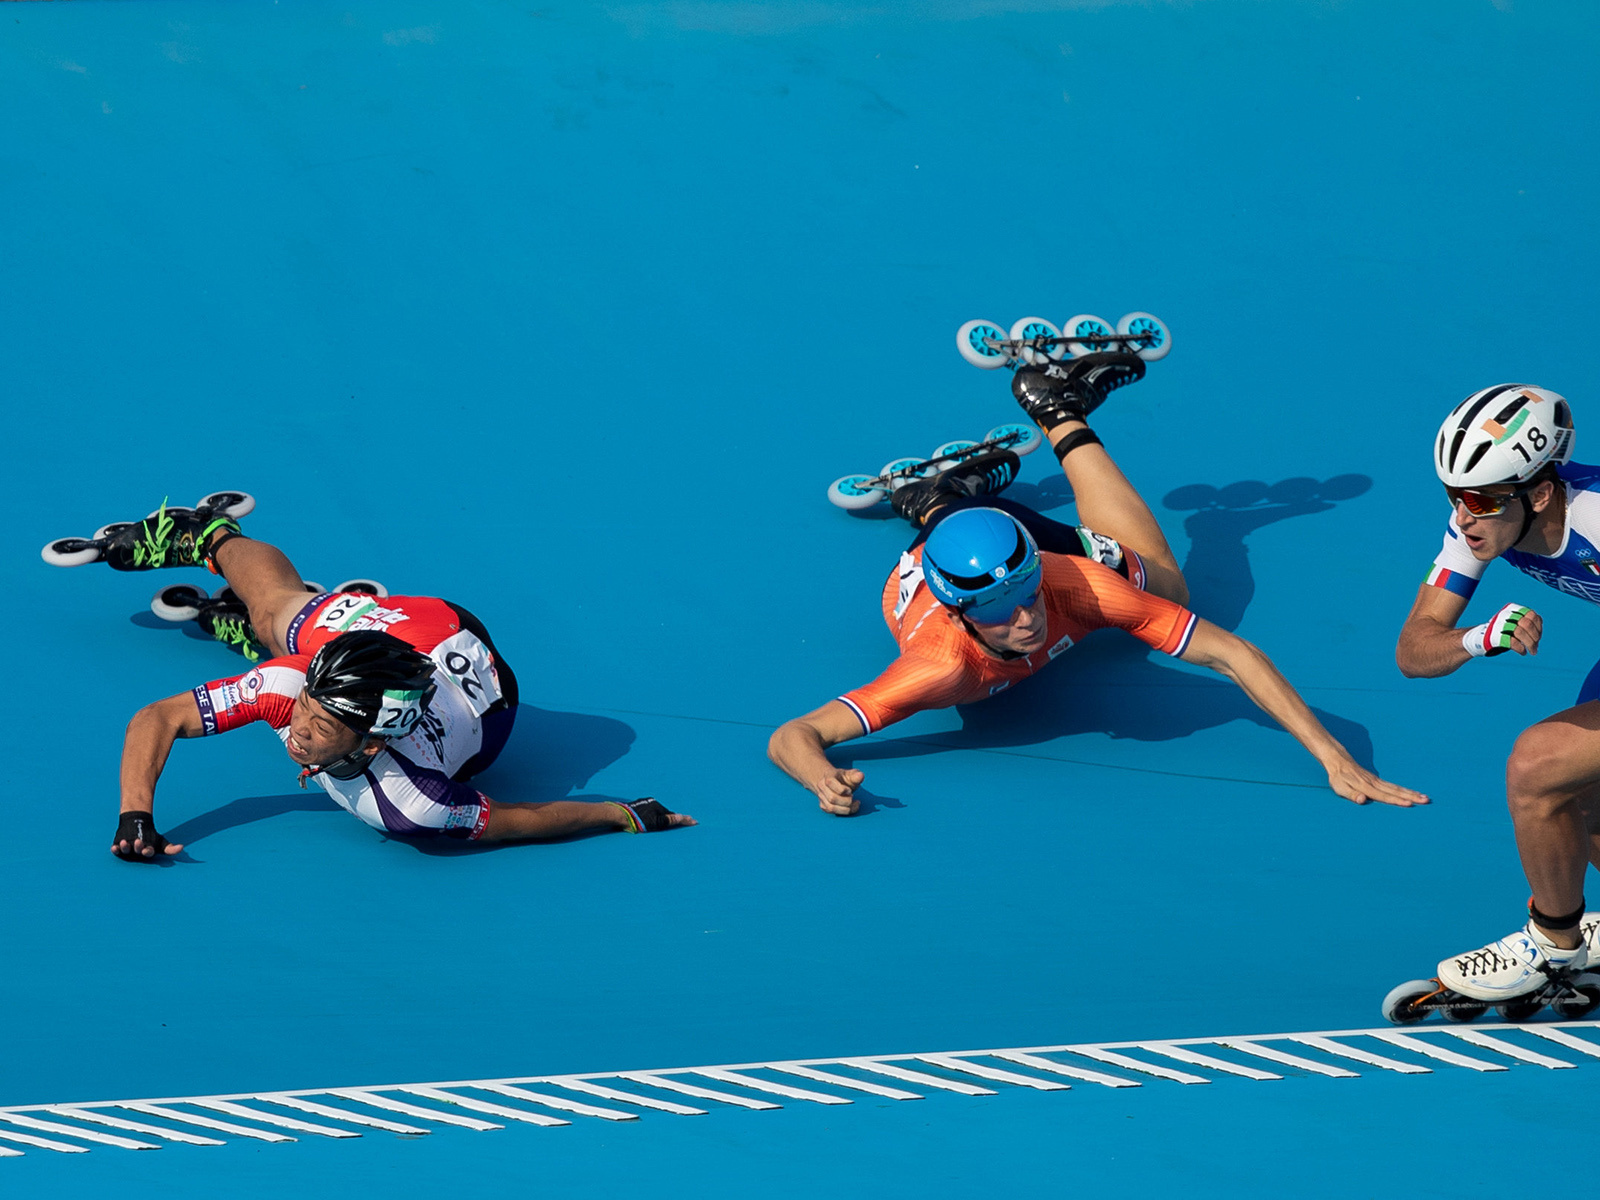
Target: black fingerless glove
[{"x": 136, "y": 826}]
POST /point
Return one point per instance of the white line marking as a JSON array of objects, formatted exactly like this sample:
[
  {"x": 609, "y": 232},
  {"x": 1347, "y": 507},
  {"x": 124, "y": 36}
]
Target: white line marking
[
  {"x": 860, "y": 1085},
  {"x": 920, "y": 1078},
  {"x": 361, "y": 1096},
  {"x": 1289, "y": 1060},
  {"x": 775, "y": 1089},
  {"x": 605, "y": 1093},
  {"x": 982, "y": 1072},
  {"x": 1195, "y": 1058},
  {"x": 88, "y": 1135},
  {"x": 184, "y": 1118},
  {"x": 160, "y": 1131},
  {"x": 689, "y": 1089},
  {"x": 1135, "y": 1064},
  {"x": 229, "y": 1108},
  {"x": 483, "y": 1106},
  {"x": 1049, "y": 1064},
  {"x": 339, "y": 1114},
  {"x": 27, "y": 1139},
  {"x": 1510, "y": 1051},
  {"x": 452, "y": 1096},
  {"x": 1562, "y": 1038},
  {"x": 565, "y": 1105},
  {"x": 1418, "y": 1046}
]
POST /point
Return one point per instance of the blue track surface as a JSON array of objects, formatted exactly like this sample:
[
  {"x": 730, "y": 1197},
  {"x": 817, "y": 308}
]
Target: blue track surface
[{"x": 570, "y": 314}]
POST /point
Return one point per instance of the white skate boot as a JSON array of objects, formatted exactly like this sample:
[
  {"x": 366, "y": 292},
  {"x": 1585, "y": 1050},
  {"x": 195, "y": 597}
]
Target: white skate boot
[{"x": 1513, "y": 966}]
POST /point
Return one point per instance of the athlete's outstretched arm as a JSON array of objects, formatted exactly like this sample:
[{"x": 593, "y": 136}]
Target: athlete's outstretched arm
[
  {"x": 144, "y": 753},
  {"x": 1253, "y": 671},
  {"x": 1430, "y": 644},
  {"x": 799, "y": 746},
  {"x": 513, "y": 822}
]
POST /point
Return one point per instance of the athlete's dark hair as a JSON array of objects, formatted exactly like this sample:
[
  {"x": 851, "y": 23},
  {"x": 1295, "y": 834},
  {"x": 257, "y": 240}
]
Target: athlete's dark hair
[{"x": 372, "y": 681}]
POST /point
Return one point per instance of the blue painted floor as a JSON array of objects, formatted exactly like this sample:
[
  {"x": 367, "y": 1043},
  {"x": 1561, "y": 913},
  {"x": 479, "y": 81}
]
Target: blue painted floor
[{"x": 570, "y": 314}]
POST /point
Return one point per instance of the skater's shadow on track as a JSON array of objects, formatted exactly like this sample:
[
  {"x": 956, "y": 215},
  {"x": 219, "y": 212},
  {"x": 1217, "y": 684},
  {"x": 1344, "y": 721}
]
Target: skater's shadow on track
[
  {"x": 1114, "y": 685},
  {"x": 1054, "y": 492},
  {"x": 549, "y": 756}
]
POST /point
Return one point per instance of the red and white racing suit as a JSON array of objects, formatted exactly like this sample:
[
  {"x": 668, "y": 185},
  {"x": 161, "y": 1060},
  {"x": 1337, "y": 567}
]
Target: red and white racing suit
[{"x": 415, "y": 785}]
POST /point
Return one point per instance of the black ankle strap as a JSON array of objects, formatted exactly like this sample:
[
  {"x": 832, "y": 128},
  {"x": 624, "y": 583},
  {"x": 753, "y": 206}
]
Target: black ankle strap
[{"x": 1078, "y": 437}]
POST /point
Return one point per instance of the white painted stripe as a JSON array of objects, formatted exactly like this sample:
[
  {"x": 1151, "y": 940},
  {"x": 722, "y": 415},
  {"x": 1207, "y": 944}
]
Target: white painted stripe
[
  {"x": 340, "y": 1114},
  {"x": 1563, "y": 1038},
  {"x": 229, "y": 1108},
  {"x": 1289, "y": 1060},
  {"x": 186, "y": 1118},
  {"x": 1049, "y": 1064},
  {"x": 160, "y": 1131},
  {"x": 920, "y": 1078},
  {"x": 483, "y": 1106},
  {"x": 1511, "y": 1051},
  {"x": 88, "y": 1135},
  {"x": 1134, "y": 1064},
  {"x": 605, "y": 1093},
  {"x": 572, "y": 1106},
  {"x": 689, "y": 1089},
  {"x": 412, "y": 1110},
  {"x": 1420, "y": 1046},
  {"x": 860, "y": 1085},
  {"x": 1328, "y": 1046},
  {"x": 775, "y": 1089},
  {"x": 1197, "y": 1059},
  {"x": 994, "y": 1073},
  {"x": 27, "y": 1139},
  {"x": 8, "y": 1152}
]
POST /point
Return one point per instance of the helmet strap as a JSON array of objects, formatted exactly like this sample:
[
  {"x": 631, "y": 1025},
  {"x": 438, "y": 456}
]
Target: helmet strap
[{"x": 1007, "y": 655}]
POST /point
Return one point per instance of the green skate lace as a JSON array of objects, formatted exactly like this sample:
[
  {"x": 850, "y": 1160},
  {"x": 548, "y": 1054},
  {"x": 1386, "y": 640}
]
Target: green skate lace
[
  {"x": 152, "y": 551},
  {"x": 235, "y": 633}
]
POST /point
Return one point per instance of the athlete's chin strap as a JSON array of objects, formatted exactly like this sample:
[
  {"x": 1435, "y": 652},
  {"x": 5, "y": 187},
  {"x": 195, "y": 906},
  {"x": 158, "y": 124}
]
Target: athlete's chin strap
[
  {"x": 346, "y": 766},
  {"x": 1007, "y": 655},
  {"x": 1527, "y": 518}
]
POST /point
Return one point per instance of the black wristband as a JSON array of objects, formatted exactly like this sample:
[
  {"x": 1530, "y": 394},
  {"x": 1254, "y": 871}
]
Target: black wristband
[
  {"x": 1570, "y": 921},
  {"x": 1078, "y": 437}
]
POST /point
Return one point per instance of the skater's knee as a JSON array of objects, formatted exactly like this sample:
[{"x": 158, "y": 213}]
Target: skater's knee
[{"x": 1540, "y": 772}]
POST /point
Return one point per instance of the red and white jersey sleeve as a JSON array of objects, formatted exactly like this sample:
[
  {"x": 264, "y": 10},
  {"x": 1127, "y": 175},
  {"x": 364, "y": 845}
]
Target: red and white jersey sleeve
[{"x": 264, "y": 694}]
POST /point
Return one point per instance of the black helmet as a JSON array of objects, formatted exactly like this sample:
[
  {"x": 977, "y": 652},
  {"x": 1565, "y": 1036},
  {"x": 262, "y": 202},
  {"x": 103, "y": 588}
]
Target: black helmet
[{"x": 373, "y": 682}]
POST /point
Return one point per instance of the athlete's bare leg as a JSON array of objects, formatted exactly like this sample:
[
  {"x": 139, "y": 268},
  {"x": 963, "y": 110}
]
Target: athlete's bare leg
[
  {"x": 1108, "y": 504},
  {"x": 265, "y": 579},
  {"x": 1551, "y": 782}
]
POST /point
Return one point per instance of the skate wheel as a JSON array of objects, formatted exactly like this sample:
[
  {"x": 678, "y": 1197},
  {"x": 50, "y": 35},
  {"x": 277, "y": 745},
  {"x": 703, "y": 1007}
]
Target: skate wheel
[
  {"x": 70, "y": 552},
  {"x": 180, "y": 602},
  {"x": 316, "y": 589},
  {"x": 170, "y": 509},
  {"x": 1150, "y": 337},
  {"x": 229, "y": 504},
  {"x": 853, "y": 492},
  {"x": 956, "y": 450},
  {"x": 364, "y": 587},
  {"x": 1581, "y": 1001},
  {"x": 981, "y": 344},
  {"x": 111, "y": 530},
  {"x": 1518, "y": 1011},
  {"x": 1025, "y": 437},
  {"x": 1462, "y": 1013},
  {"x": 1400, "y": 1005},
  {"x": 1037, "y": 329},
  {"x": 900, "y": 471},
  {"x": 1088, "y": 334}
]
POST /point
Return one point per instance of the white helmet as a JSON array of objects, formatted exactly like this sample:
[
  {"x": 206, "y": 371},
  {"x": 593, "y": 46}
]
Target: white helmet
[{"x": 1503, "y": 434}]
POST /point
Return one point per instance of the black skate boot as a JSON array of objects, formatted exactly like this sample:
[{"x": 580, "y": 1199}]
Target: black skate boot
[
  {"x": 1070, "y": 391},
  {"x": 986, "y": 475},
  {"x": 169, "y": 537},
  {"x": 223, "y": 616}
]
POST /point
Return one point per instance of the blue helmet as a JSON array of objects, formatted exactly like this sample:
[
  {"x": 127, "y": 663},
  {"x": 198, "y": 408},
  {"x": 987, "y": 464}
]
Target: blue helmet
[{"x": 982, "y": 563}]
